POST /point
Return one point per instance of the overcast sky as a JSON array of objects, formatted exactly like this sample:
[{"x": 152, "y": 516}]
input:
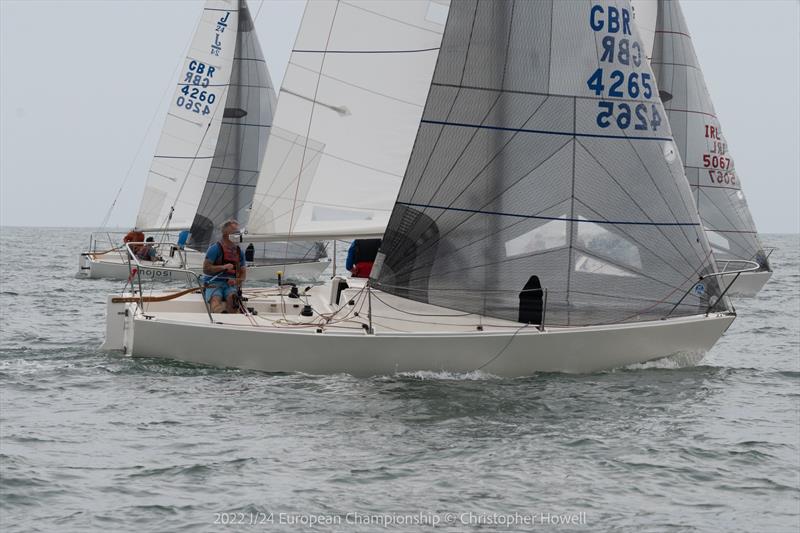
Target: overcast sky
[{"x": 84, "y": 84}]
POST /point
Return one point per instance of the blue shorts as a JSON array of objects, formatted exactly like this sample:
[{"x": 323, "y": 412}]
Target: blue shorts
[{"x": 221, "y": 289}]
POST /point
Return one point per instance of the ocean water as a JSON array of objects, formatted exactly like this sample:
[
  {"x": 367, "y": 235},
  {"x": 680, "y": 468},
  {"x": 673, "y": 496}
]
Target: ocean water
[{"x": 94, "y": 441}]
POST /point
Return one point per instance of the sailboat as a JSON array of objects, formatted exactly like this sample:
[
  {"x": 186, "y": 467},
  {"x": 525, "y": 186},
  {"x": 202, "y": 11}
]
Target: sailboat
[
  {"x": 543, "y": 222},
  {"x": 707, "y": 159},
  {"x": 209, "y": 157}
]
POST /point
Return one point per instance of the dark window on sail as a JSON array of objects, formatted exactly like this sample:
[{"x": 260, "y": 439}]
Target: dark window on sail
[{"x": 234, "y": 112}]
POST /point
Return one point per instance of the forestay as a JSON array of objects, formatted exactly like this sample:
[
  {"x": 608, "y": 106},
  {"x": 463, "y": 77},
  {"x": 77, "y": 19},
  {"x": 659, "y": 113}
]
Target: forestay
[
  {"x": 242, "y": 141},
  {"x": 707, "y": 160},
  {"x": 350, "y": 104},
  {"x": 544, "y": 157},
  {"x": 186, "y": 148}
]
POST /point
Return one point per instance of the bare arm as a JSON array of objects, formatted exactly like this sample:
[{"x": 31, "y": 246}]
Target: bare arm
[{"x": 210, "y": 268}]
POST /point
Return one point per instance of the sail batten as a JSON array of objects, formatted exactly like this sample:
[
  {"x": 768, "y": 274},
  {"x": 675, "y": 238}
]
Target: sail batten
[{"x": 544, "y": 159}]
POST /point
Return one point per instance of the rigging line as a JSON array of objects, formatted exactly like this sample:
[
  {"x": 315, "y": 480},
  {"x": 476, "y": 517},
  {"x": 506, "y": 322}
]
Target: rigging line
[
  {"x": 258, "y": 12},
  {"x": 503, "y": 349},
  {"x": 310, "y": 121}
]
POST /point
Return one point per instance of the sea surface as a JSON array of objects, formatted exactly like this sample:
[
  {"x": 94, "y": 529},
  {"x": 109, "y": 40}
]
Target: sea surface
[{"x": 94, "y": 441}]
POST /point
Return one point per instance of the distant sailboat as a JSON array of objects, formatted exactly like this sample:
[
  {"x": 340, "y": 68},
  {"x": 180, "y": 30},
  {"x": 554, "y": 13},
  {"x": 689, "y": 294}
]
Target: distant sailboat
[
  {"x": 210, "y": 154},
  {"x": 708, "y": 164},
  {"x": 543, "y": 223}
]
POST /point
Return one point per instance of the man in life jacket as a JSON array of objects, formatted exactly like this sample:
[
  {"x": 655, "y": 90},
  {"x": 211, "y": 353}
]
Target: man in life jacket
[
  {"x": 225, "y": 271},
  {"x": 148, "y": 251},
  {"x": 361, "y": 256}
]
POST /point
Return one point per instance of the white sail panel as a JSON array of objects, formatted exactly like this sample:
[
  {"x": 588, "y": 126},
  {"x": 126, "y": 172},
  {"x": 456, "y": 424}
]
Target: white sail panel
[
  {"x": 708, "y": 163},
  {"x": 644, "y": 14},
  {"x": 350, "y": 105},
  {"x": 189, "y": 137}
]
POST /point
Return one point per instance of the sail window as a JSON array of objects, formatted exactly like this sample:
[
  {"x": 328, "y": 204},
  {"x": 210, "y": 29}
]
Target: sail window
[
  {"x": 591, "y": 265},
  {"x": 595, "y": 238},
  {"x": 331, "y": 213},
  {"x": 550, "y": 235},
  {"x": 717, "y": 240},
  {"x": 437, "y": 13}
]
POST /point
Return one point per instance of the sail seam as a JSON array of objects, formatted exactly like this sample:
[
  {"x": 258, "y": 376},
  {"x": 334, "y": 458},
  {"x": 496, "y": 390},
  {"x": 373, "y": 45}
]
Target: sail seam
[
  {"x": 413, "y": 51},
  {"x": 540, "y": 217},
  {"x": 544, "y": 132}
]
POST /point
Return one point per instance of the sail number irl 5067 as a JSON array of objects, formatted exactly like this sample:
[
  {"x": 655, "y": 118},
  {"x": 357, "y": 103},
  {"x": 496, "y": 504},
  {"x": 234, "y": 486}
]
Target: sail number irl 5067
[
  {"x": 619, "y": 47},
  {"x": 194, "y": 96}
]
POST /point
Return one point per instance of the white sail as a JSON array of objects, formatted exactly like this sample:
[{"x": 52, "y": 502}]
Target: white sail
[
  {"x": 188, "y": 139},
  {"x": 350, "y": 105},
  {"x": 644, "y": 14},
  {"x": 707, "y": 159}
]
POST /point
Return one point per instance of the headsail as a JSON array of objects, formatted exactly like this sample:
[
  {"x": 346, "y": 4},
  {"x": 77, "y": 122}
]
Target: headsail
[
  {"x": 242, "y": 141},
  {"x": 189, "y": 136},
  {"x": 350, "y": 105},
  {"x": 544, "y": 157},
  {"x": 707, "y": 160}
]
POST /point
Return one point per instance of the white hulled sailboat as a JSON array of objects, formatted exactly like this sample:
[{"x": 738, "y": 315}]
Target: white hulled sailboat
[
  {"x": 543, "y": 222},
  {"x": 707, "y": 160},
  {"x": 210, "y": 155}
]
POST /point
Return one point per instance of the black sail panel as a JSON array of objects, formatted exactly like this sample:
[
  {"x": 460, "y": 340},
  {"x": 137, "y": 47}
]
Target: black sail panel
[
  {"x": 242, "y": 141},
  {"x": 544, "y": 156},
  {"x": 708, "y": 163}
]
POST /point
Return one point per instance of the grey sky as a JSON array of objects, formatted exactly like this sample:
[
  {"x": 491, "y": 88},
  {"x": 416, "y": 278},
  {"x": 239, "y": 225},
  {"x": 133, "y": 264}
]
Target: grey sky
[{"x": 81, "y": 82}]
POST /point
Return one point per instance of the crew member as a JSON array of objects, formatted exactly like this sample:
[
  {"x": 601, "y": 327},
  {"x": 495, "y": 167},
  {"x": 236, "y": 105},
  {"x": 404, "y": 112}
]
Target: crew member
[
  {"x": 361, "y": 256},
  {"x": 225, "y": 271}
]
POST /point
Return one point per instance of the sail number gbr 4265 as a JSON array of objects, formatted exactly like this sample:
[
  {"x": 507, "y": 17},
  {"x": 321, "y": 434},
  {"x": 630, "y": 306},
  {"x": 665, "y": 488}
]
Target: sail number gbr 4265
[{"x": 619, "y": 48}]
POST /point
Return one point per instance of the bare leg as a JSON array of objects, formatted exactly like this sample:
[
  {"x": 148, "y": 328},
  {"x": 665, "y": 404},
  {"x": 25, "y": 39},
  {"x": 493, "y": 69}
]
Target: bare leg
[
  {"x": 231, "y": 303},
  {"x": 217, "y": 306}
]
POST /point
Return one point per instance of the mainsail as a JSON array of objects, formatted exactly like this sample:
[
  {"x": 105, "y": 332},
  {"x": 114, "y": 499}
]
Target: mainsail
[
  {"x": 707, "y": 160},
  {"x": 350, "y": 104},
  {"x": 544, "y": 157},
  {"x": 242, "y": 140},
  {"x": 188, "y": 140}
]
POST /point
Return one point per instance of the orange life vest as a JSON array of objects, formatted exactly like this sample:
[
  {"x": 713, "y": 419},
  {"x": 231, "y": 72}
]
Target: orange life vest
[{"x": 232, "y": 256}]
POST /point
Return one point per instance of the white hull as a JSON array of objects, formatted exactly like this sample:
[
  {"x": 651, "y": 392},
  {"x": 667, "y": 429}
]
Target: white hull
[
  {"x": 181, "y": 330},
  {"x": 747, "y": 285},
  {"x": 114, "y": 267}
]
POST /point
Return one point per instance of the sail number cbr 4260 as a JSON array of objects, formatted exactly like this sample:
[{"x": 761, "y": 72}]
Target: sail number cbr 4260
[
  {"x": 194, "y": 95},
  {"x": 619, "y": 48}
]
